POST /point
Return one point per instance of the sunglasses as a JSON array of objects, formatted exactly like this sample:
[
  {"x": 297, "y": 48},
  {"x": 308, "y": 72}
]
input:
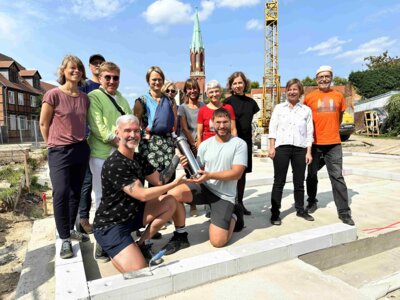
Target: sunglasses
[
  {"x": 170, "y": 91},
  {"x": 108, "y": 77}
]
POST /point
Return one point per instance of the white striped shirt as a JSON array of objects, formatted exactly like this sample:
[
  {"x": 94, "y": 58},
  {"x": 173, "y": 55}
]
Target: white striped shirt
[{"x": 291, "y": 126}]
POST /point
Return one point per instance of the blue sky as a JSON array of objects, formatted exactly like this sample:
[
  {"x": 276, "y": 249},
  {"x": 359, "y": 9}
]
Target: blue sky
[{"x": 136, "y": 34}]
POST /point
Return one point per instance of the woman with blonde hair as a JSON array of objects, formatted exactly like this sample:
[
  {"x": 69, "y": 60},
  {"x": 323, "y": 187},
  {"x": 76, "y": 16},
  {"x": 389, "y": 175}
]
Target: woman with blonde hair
[{"x": 63, "y": 127}]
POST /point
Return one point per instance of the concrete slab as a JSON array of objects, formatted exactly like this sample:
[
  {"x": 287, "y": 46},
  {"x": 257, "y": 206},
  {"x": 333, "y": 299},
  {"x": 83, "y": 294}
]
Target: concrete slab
[{"x": 289, "y": 280}]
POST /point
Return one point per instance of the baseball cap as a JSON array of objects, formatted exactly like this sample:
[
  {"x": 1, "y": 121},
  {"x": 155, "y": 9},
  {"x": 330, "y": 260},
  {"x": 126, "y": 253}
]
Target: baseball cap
[
  {"x": 324, "y": 69},
  {"x": 96, "y": 56}
]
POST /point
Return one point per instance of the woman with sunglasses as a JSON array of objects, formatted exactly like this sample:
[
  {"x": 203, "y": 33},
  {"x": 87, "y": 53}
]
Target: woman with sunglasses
[
  {"x": 169, "y": 89},
  {"x": 63, "y": 125},
  {"x": 187, "y": 115},
  {"x": 106, "y": 105},
  {"x": 245, "y": 108}
]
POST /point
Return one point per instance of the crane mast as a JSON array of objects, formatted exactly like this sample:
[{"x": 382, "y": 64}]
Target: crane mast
[{"x": 271, "y": 79}]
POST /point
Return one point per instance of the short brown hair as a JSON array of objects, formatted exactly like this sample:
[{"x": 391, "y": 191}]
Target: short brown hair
[
  {"x": 157, "y": 70},
  {"x": 233, "y": 77},
  {"x": 221, "y": 112},
  {"x": 295, "y": 81},
  {"x": 70, "y": 58}
]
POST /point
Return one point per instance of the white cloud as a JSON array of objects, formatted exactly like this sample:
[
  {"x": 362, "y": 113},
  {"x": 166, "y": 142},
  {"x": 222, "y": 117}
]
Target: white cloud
[
  {"x": 168, "y": 12},
  {"x": 8, "y": 29},
  {"x": 96, "y": 9},
  {"x": 373, "y": 47},
  {"x": 330, "y": 46},
  {"x": 254, "y": 24},
  {"x": 159, "y": 13},
  {"x": 236, "y": 3},
  {"x": 207, "y": 8}
]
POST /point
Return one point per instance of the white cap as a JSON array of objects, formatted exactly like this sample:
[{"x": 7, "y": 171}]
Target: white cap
[{"x": 324, "y": 69}]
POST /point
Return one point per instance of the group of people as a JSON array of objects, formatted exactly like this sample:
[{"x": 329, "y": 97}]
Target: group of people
[{"x": 127, "y": 158}]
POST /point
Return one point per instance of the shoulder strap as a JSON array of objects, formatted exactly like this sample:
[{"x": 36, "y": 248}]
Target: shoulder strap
[{"x": 114, "y": 102}]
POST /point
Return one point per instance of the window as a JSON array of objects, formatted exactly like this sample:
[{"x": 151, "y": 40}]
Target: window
[
  {"x": 22, "y": 123},
  {"x": 33, "y": 101},
  {"x": 20, "y": 99},
  {"x": 13, "y": 122},
  {"x": 11, "y": 97}
]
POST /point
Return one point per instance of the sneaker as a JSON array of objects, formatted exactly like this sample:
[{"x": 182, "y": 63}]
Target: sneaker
[
  {"x": 100, "y": 255},
  {"x": 148, "y": 254},
  {"x": 81, "y": 237},
  {"x": 346, "y": 219},
  {"x": 303, "y": 214},
  {"x": 66, "y": 250},
  {"x": 311, "y": 207},
  {"x": 276, "y": 220},
  {"x": 238, "y": 211},
  {"x": 177, "y": 242},
  {"x": 85, "y": 226}
]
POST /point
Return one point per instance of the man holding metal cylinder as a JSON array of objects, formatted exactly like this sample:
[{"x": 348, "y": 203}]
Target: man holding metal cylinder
[{"x": 223, "y": 159}]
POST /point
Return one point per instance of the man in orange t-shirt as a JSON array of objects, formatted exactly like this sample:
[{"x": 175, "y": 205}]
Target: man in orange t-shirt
[{"x": 327, "y": 108}]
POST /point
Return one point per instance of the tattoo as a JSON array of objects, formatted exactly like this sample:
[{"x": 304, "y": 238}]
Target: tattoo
[{"x": 166, "y": 174}]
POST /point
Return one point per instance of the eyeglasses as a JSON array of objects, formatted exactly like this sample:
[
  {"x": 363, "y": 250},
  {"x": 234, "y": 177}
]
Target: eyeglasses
[
  {"x": 324, "y": 77},
  {"x": 170, "y": 91},
  {"x": 108, "y": 77}
]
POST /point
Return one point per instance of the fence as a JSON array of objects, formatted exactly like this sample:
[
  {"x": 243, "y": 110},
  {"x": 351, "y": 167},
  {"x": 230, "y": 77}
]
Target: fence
[{"x": 17, "y": 129}]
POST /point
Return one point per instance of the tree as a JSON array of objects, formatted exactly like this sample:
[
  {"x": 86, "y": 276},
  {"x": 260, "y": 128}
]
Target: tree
[
  {"x": 339, "y": 81},
  {"x": 308, "y": 81},
  {"x": 375, "y": 82},
  {"x": 254, "y": 85},
  {"x": 393, "y": 120},
  {"x": 381, "y": 61}
]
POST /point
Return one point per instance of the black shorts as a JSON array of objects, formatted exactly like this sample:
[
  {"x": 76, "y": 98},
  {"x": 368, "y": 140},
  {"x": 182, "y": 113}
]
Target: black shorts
[
  {"x": 221, "y": 210},
  {"x": 117, "y": 237}
]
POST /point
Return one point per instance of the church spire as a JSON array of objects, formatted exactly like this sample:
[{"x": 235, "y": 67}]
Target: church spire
[
  {"x": 197, "y": 68},
  {"x": 197, "y": 41}
]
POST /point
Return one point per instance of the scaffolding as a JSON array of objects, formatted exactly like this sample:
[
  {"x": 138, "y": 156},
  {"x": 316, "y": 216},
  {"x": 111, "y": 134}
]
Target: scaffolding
[{"x": 271, "y": 79}]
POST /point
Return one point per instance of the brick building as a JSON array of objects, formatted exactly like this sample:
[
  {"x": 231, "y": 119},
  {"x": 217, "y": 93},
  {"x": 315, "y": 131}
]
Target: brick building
[{"x": 21, "y": 92}]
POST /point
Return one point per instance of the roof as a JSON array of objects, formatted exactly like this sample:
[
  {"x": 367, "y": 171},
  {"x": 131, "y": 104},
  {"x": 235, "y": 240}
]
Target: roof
[
  {"x": 9, "y": 58},
  {"x": 29, "y": 73},
  {"x": 6, "y": 63},
  {"x": 23, "y": 86},
  {"x": 197, "y": 41},
  {"x": 46, "y": 86}
]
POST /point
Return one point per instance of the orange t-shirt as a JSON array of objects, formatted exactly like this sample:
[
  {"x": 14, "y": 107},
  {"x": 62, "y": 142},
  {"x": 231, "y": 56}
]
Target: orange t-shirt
[{"x": 326, "y": 108}]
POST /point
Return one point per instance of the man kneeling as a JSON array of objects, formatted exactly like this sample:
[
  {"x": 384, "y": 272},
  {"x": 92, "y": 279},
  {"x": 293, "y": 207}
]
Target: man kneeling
[
  {"x": 126, "y": 205},
  {"x": 224, "y": 158}
]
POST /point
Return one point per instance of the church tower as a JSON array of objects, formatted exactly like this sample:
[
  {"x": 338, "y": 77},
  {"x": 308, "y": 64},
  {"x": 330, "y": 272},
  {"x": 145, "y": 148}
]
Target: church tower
[{"x": 197, "y": 70}]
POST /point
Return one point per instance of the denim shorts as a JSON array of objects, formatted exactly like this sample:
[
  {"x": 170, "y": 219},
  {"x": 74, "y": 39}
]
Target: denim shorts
[{"x": 114, "y": 238}]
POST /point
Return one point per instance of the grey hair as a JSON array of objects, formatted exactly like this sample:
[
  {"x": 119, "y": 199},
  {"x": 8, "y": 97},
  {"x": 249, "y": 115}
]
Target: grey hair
[
  {"x": 127, "y": 119},
  {"x": 212, "y": 84}
]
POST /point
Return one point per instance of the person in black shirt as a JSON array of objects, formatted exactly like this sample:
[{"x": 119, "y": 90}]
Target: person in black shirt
[
  {"x": 127, "y": 205},
  {"x": 244, "y": 108}
]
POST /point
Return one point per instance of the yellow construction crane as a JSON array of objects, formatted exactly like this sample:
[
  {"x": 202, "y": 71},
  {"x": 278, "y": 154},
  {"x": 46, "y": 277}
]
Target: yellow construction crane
[{"x": 271, "y": 79}]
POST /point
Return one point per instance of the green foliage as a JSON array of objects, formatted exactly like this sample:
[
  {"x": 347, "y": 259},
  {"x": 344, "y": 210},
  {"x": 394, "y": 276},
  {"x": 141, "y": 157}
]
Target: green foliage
[
  {"x": 375, "y": 82},
  {"x": 308, "y": 81},
  {"x": 12, "y": 174},
  {"x": 393, "y": 120},
  {"x": 339, "y": 81},
  {"x": 382, "y": 61},
  {"x": 254, "y": 85}
]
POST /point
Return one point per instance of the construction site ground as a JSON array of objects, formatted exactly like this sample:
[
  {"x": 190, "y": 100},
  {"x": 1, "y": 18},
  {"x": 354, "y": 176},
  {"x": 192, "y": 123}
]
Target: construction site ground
[{"x": 382, "y": 210}]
